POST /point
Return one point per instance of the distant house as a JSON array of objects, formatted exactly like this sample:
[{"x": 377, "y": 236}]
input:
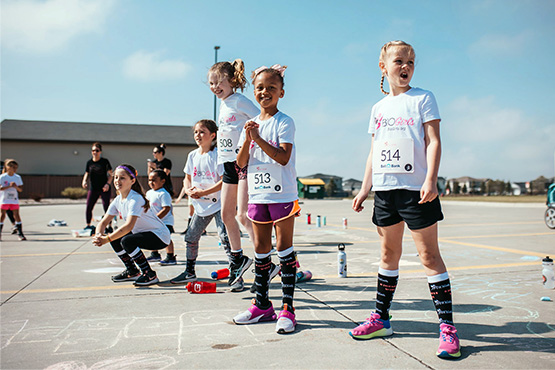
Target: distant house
[
  {"x": 337, "y": 183},
  {"x": 53, "y": 155},
  {"x": 352, "y": 186},
  {"x": 467, "y": 185},
  {"x": 311, "y": 188},
  {"x": 519, "y": 188}
]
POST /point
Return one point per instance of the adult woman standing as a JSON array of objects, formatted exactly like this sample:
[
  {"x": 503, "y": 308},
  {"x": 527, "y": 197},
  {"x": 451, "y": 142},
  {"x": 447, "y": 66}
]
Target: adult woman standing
[{"x": 99, "y": 172}]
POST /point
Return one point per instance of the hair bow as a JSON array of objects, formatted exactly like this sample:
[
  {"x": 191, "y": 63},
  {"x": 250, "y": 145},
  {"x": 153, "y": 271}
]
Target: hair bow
[{"x": 277, "y": 67}]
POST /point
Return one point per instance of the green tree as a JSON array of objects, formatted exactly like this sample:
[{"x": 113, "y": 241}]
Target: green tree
[{"x": 330, "y": 188}]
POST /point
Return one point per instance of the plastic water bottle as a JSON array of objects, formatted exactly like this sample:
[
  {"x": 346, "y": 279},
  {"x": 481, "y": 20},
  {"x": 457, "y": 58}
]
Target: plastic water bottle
[
  {"x": 308, "y": 219},
  {"x": 548, "y": 274},
  {"x": 342, "y": 260},
  {"x": 200, "y": 287},
  {"x": 318, "y": 221},
  {"x": 220, "y": 274}
]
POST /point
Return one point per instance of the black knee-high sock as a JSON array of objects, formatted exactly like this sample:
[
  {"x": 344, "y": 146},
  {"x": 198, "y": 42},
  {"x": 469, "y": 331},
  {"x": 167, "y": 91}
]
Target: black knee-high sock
[
  {"x": 261, "y": 281},
  {"x": 387, "y": 283},
  {"x": 191, "y": 266},
  {"x": 140, "y": 259},
  {"x": 288, "y": 271},
  {"x": 19, "y": 228},
  {"x": 441, "y": 295},
  {"x": 127, "y": 261},
  {"x": 236, "y": 257}
]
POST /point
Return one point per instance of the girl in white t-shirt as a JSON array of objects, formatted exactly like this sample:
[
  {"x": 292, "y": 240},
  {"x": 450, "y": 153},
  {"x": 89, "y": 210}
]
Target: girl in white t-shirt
[
  {"x": 142, "y": 228},
  {"x": 225, "y": 79},
  {"x": 203, "y": 181},
  {"x": 267, "y": 147},
  {"x": 160, "y": 198},
  {"x": 402, "y": 169}
]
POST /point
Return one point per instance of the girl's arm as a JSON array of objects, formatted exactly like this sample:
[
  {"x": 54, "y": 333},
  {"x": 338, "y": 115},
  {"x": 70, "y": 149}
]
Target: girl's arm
[
  {"x": 84, "y": 182},
  {"x": 429, "y": 192},
  {"x": 19, "y": 188},
  {"x": 197, "y": 193},
  {"x": 366, "y": 182},
  {"x": 243, "y": 155},
  {"x": 281, "y": 154},
  {"x": 163, "y": 212},
  {"x": 100, "y": 239},
  {"x": 182, "y": 194}
]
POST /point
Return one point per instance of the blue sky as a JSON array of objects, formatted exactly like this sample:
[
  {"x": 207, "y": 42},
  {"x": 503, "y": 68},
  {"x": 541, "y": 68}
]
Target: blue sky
[{"x": 489, "y": 64}]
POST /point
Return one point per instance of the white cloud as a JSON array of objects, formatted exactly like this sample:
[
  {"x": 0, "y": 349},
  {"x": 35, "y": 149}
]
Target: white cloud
[
  {"x": 145, "y": 66},
  {"x": 501, "y": 45},
  {"x": 483, "y": 139},
  {"x": 44, "y": 26}
]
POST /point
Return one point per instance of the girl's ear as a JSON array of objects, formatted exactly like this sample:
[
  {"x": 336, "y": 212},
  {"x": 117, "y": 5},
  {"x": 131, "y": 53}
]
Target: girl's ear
[
  {"x": 213, "y": 135},
  {"x": 282, "y": 94},
  {"x": 382, "y": 67}
]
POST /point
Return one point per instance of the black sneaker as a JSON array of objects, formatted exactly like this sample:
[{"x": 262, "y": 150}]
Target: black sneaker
[
  {"x": 236, "y": 271},
  {"x": 126, "y": 275},
  {"x": 147, "y": 278},
  {"x": 274, "y": 271},
  {"x": 22, "y": 237},
  {"x": 154, "y": 257},
  {"x": 184, "y": 277},
  {"x": 14, "y": 230},
  {"x": 169, "y": 261}
]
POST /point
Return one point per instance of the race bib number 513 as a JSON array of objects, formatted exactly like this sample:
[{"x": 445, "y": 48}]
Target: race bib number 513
[
  {"x": 264, "y": 179},
  {"x": 393, "y": 156}
]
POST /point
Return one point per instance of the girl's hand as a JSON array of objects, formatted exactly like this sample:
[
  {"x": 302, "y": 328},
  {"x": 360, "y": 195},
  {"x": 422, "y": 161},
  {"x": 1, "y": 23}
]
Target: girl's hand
[
  {"x": 98, "y": 240},
  {"x": 194, "y": 192},
  {"x": 428, "y": 192},
  {"x": 358, "y": 200},
  {"x": 105, "y": 188}
]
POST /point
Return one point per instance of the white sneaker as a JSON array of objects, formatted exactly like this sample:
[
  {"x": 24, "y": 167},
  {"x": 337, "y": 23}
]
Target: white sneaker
[{"x": 286, "y": 321}]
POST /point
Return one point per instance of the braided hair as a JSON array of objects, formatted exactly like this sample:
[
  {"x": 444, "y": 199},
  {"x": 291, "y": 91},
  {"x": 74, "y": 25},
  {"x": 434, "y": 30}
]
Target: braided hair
[{"x": 383, "y": 54}]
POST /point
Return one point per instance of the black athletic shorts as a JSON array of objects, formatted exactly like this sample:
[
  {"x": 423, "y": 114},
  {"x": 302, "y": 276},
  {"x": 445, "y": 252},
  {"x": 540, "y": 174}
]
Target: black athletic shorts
[
  {"x": 230, "y": 173},
  {"x": 170, "y": 228},
  {"x": 394, "y": 206}
]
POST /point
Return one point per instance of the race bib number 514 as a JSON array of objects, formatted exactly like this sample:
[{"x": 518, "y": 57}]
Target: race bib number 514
[{"x": 393, "y": 156}]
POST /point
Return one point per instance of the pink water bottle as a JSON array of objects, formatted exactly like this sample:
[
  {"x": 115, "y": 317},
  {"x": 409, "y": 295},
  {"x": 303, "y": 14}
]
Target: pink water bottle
[
  {"x": 200, "y": 287},
  {"x": 220, "y": 274}
]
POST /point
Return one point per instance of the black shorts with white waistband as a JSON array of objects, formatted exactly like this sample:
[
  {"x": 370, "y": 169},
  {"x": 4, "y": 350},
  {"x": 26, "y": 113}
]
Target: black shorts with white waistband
[{"x": 394, "y": 206}]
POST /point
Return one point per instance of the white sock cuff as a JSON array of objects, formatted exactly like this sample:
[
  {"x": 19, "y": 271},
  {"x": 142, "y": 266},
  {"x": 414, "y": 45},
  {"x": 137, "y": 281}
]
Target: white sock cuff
[
  {"x": 240, "y": 250},
  {"x": 121, "y": 253},
  {"x": 262, "y": 255},
  {"x": 286, "y": 252},
  {"x": 389, "y": 273},
  {"x": 439, "y": 277},
  {"x": 135, "y": 252}
]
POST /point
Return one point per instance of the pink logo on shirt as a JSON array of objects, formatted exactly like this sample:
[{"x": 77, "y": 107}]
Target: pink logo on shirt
[
  {"x": 230, "y": 119},
  {"x": 392, "y": 121}
]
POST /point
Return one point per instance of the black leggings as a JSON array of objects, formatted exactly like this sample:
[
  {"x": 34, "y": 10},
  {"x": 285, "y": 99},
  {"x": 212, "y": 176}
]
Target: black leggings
[
  {"x": 92, "y": 197},
  {"x": 145, "y": 240}
]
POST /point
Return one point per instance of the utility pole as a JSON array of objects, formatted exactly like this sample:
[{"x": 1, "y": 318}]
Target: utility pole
[{"x": 216, "y": 48}]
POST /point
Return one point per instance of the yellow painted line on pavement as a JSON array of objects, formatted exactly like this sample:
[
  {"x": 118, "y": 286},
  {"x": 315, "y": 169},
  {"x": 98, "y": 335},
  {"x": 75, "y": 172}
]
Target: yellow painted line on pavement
[
  {"x": 497, "y": 235},
  {"x": 501, "y": 249}
]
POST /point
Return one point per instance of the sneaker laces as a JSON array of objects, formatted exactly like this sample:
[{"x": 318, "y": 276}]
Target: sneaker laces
[{"x": 448, "y": 333}]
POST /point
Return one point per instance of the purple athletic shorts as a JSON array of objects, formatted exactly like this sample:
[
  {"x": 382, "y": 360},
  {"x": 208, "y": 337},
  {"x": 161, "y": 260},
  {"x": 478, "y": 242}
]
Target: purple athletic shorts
[{"x": 275, "y": 212}]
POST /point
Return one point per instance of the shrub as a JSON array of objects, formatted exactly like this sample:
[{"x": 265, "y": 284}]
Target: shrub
[
  {"x": 74, "y": 193},
  {"x": 37, "y": 197}
]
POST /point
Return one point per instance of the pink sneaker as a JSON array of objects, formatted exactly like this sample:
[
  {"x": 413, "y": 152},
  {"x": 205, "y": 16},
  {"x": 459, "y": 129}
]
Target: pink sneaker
[
  {"x": 286, "y": 321},
  {"x": 255, "y": 314},
  {"x": 449, "y": 346},
  {"x": 373, "y": 327}
]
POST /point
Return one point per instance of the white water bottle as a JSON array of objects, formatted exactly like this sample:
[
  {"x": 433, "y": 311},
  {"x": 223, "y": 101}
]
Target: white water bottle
[
  {"x": 548, "y": 274},
  {"x": 342, "y": 261}
]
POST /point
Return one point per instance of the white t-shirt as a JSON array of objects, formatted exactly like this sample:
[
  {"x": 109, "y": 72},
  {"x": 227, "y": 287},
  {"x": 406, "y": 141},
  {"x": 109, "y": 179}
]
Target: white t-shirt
[
  {"x": 277, "y": 130},
  {"x": 159, "y": 199},
  {"x": 146, "y": 221},
  {"x": 205, "y": 172},
  {"x": 235, "y": 111},
  {"x": 11, "y": 195},
  {"x": 399, "y": 153}
]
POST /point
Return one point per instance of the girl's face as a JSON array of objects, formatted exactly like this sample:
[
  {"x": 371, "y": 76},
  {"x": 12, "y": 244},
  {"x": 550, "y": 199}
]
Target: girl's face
[
  {"x": 268, "y": 89},
  {"x": 96, "y": 152},
  {"x": 203, "y": 136},
  {"x": 220, "y": 87},
  {"x": 155, "y": 182},
  {"x": 398, "y": 67},
  {"x": 123, "y": 180}
]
